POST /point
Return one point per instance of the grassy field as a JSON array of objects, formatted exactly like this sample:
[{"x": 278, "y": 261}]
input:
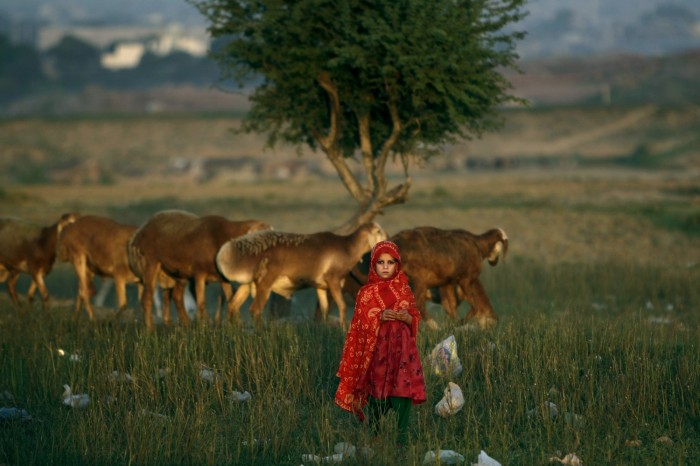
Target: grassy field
[
  {"x": 598, "y": 302},
  {"x": 613, "y": 347}
]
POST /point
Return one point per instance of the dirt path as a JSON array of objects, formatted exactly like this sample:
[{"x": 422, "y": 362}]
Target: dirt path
[{"x": 568, "y": 143}]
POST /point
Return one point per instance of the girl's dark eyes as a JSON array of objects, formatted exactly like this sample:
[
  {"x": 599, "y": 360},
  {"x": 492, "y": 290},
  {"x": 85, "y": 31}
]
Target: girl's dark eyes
[{"x": 390, "y": 262}]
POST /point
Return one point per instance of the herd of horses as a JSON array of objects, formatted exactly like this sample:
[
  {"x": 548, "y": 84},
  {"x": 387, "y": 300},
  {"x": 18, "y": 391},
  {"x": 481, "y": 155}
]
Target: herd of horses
[{"x": 173, "y": 249}]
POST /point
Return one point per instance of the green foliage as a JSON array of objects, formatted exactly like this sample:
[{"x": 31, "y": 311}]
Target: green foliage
[
  {"x": 436, "y": 62},
  {"x": 75, "y": 62},
  {"x": 20, "y": 69},
  {"x": 614, "y": 347}
]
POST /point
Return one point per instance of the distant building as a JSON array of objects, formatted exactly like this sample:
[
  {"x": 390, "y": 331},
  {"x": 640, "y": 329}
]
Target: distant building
[{"x": 124, "y": 46}]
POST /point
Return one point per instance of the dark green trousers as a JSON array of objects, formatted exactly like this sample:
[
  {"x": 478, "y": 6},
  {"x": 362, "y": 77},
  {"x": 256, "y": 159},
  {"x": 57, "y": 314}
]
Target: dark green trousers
[{"x": 376, "y": 409}]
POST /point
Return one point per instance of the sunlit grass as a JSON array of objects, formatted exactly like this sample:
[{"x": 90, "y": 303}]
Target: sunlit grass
[{"x": 614, "y": 348}]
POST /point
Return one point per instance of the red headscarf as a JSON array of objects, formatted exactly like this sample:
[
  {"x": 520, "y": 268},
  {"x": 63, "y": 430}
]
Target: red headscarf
[{"x": 375, "y": 296}]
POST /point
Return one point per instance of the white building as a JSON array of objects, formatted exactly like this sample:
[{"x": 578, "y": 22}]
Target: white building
[{"x": 124, "y": 46}]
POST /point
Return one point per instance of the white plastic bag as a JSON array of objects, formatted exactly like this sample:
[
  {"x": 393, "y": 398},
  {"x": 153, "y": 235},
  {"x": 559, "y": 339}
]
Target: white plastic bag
[
  {"x": 444, "y": 457},
  {"x": 452, "y": 402},
  {"x": 485, "y": 460},
  {"x": 444, "y": 358}
]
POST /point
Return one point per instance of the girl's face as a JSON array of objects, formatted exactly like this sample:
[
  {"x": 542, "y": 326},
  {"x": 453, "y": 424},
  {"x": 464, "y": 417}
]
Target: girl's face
[{"x": 385, "y": 265}]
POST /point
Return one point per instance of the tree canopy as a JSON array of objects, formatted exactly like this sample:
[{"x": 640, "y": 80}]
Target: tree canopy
[{"x": 369, "y": 80}]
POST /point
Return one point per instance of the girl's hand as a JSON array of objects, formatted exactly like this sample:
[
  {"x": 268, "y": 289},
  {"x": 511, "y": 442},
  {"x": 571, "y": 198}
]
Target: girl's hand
[{"x": 402, "y": 315}]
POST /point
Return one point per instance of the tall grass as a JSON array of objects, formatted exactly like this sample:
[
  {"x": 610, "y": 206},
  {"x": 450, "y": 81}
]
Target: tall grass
[{"x": 614, "y": 348}]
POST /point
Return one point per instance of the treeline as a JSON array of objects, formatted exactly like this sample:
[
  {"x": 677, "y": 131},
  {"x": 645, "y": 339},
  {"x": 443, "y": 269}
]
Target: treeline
[{"x": 72, "y": 64}]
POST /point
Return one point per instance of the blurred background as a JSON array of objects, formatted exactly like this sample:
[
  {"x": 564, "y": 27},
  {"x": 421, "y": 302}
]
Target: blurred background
[
  {"x": 113, "y": 108},
  {"x": 68, "y": 56}
]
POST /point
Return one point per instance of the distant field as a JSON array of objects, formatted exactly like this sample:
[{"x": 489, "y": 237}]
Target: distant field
[{"x": 567, "y": 185}]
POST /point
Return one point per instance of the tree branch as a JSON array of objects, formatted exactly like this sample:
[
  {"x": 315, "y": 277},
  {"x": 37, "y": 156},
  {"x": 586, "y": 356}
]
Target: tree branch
[
  {"x": 329, "y": 142},
  {"x": 389, "y": 143},
  {"x": 331, "y": 138},
  {"x": 366, "y": 150}
]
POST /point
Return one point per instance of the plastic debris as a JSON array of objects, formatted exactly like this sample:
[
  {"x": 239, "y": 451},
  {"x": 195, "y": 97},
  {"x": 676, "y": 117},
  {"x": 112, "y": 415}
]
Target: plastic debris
[
  {"x": 347, "y": 449},
  {"x": 14, "y": 414},
  {"x": 341, "y": 452},
  {"x": 444, "y": 358},
  {"x": 146, "y": 412},
  {"x": 452, "y": 402},
  {"x": 74, "y": 401},
  {"x": 569, "y": 460},
  {"x": 444, "y": 457},
  {"x": 485, "y": 460},
  {"x": 548, "y": 407},
  {"x": 256, "y": 442},
  {"x": 75, "y": 357},
  {"x": 310, "y": 458},
  {"x": 239, "y": 397},
  {"x": 208, "y": 374},
  {"x": 335, "y": 458},
  {"x": 121, "y": 377}
]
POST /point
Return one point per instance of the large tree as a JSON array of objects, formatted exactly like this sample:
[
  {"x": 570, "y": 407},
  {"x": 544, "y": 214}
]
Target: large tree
[{"x": 369, "y": 80}]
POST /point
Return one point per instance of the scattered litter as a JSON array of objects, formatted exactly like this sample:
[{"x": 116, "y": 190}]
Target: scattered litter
[
  {"x": 208, "y": 374},
  {"x": 547, "y": 406},
  {"x": 146, "y": 412},
  {"x": 347, "y": 449},
  {"x": 569, "y": 460},
  {"x": 75, "y": 357},
  {"x": 121, "y": 377},
  {"x": 256, "y": 442},
  {"x": 74, "y": 401},
  {"x": 649, "y": 306},
  {"x": 238, "y": 396},
  {"x": 310, "y": 458},
  {"x": 336, "y": 458},
  {"x": 341, "y": 452},
  {"x": 633, "y": 443},
  {"x": 452, "y": 402},
  {"x": 662, "y": 320},
  {"x": 485, "y": 460},
  {"x": 444, "y": 457},
  {"x": 14, "y": 414},
  {"x": 444, "y": 358},
  {"x": 665, "y": 439}
]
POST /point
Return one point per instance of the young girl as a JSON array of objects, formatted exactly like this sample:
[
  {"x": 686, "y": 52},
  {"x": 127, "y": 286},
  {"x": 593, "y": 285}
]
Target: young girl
[{"x": 380, "y": 367}]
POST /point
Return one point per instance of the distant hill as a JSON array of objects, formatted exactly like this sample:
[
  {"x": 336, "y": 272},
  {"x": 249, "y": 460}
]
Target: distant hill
[{"x": 612, "y": 79}]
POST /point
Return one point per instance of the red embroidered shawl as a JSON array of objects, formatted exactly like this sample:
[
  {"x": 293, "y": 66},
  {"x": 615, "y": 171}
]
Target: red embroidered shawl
[{"x": 375, "y": 296}]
